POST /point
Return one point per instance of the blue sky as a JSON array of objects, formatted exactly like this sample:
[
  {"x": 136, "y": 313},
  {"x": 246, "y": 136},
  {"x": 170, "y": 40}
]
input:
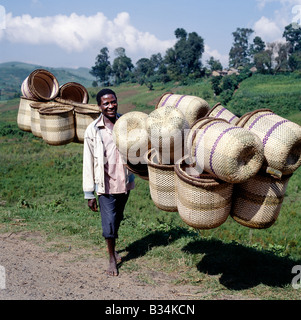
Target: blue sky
[{"x": 62, "y": 33}]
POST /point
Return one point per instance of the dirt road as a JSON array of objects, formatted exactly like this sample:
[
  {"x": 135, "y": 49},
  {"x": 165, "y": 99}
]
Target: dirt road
[{"x": 32, "y": 272}]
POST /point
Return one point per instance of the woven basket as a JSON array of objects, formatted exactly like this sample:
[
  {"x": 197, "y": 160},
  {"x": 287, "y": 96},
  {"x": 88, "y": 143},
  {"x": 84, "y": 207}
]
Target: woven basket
[
  {"x": 203, "y": 201},
  {"x": 74, "y": 91},
  {"x": 192, "y": 107},
  {"x": 220, "y": 112},
  {"x": 35, "y": 116},
  {"x": 230, "y": 153},
  {"x": 57, "y": 124},
  {"x": 40, "y": 85},
  {"x": 257, "y": 202},
  {"x": 161, "y": 183},
  {"x": 166, "y": 130},
  {"x": 83, "y": 117},
  {"x": 281, "y": 139},
  {"x": 130, "y": 136},
  {"x": 24, "y": 114}
]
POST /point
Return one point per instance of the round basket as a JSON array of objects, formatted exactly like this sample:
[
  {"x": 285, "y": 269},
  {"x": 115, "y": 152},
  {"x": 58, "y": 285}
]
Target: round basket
[
  {"x": 40, "y": 85},
  {"x": 203, "y": 201},
  {"x": 35, "y": 116},
  {"x": 220, "y": 112},
  {"x": 161, "y": 183},
  {"x": 277, "y": 134},
  {"x": 24, "y": 114},
  {"x": 192, "y": 107},
  {"x": 166, "y": 129},
  {"x": 73, "y": 91},
  {"x": 257, "y": 202},
  {"x": 130, "y": 136},
  {"x": 57, "y": 124},
  {"x": 83, "y": 117},
  {"x": 230, "y": 153}
]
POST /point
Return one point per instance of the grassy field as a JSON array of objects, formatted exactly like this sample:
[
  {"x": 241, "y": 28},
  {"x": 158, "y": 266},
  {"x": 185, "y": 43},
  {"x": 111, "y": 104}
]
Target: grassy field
[{"x": 41, "y": 190}]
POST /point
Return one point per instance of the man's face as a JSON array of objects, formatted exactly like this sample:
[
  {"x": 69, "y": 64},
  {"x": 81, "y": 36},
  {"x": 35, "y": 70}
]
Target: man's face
[{"x": 109, "y": 106}]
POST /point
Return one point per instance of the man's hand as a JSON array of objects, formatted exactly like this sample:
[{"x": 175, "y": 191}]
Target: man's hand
[{"x": 92, "y": 203}]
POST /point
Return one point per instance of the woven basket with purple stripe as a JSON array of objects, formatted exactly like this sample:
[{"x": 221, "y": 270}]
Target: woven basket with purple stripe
[
  {"x": 192, "y": 107},
  {"x": 281, "y": 139},
  {"x": 231, "y": 153},
  {"x": 218, "y": 111}
]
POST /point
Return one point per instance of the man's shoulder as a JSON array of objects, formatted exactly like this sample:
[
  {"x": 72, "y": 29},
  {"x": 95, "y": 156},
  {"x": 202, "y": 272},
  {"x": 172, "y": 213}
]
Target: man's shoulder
[{"x": 92, "y": 126}]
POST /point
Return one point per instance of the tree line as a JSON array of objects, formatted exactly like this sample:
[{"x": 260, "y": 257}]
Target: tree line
[{"x": 183, "y": 62}]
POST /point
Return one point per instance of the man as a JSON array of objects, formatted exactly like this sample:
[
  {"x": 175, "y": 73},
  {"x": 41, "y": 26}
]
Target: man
[{"x": 105, "y": 174}]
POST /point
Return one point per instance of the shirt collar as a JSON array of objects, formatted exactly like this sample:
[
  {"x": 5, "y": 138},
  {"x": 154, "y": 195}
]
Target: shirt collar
[{"x": 100, "y": 123}]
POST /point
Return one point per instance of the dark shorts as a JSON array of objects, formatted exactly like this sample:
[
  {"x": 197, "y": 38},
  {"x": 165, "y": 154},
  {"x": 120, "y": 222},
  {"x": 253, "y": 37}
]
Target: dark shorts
[{"x": 111, "y": 209}]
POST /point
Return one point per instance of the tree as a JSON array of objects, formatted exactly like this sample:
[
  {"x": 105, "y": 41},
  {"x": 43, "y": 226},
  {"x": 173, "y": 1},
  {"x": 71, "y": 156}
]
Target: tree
[
  {"x": 282, "y": 56},
  {"x": 293, "y": 36},
  {"x": 184, "y": 59},
  {"x": 257, "y": 46},
  {"x": 239, "y": 53},
  {"x": 102, "y": 69},
  {"x": 214, "y": 64},
  {"x": 144, "y": 69},
  {"x": 122, "y": 66}
]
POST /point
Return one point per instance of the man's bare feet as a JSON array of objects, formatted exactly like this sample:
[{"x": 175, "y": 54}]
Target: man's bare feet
[{"x": 112, "y": 269}]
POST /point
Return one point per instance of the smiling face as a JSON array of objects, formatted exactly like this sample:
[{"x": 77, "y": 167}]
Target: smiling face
[{"x": 109, "y": 106}]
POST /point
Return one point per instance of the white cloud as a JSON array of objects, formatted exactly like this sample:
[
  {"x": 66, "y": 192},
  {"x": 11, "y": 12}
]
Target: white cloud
[
  {"x": 76, "y": 33},
  {"x": 268, "y": 30},
  {"x": 224, "y": 59}
]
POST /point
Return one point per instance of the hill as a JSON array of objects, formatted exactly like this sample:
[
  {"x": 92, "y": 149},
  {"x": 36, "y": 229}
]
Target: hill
[{"x": 12, "y": 74}]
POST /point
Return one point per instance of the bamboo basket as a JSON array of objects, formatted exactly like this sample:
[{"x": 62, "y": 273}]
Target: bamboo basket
[
  {"x": 203, "y": 201},
  {"x": 24, "y": 114},
  {"x": 83, "y": 117},
  {"x": 35, "y": 116},
  {"x": 220, "y": 112},
  {"x": 281, "y": 139},
  {"x": 73, "y": 91},
  {"x": 192, "y": 107},
  {"x": 57, "y": 124},
  {"x": 166, "y": 129},
  {"x": 161, "y": 183},
  {"x": 230, "y": 153},
  {"x": 257, "y": 202},
  {"x": 40, "y": 85},
  {"x": 130, "y": 136}
]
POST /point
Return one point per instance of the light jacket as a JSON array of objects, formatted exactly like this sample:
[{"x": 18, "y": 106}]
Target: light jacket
[{"x": 94, "y": 160}]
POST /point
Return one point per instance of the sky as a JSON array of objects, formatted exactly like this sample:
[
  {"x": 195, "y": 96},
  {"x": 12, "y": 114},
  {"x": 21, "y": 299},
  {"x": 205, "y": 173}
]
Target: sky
[{"x": 63, "y": 33}]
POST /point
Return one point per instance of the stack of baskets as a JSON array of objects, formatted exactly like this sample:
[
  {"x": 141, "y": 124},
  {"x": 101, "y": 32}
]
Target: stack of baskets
[
  {"x": 238, "y": 167},
  {"x": 59, "y": 115}
]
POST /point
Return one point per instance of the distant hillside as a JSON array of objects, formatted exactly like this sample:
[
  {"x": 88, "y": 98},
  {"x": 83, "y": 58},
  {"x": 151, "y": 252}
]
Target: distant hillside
[{"x": 12, "y": 74}]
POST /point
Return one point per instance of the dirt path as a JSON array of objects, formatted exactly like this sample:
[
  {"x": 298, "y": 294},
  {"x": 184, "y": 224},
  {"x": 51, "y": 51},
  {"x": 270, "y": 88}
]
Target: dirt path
[{"x": 32, "y": 272}]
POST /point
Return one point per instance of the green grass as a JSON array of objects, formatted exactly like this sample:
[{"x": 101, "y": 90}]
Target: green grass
[
  {"x": 279, "y": 93},
  {"x": 41, "y": 190}
]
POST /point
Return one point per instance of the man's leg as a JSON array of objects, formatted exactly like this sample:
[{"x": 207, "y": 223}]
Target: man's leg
[
  {"x": 111, "y": 208},
  {"x": 112, "y": 269}
]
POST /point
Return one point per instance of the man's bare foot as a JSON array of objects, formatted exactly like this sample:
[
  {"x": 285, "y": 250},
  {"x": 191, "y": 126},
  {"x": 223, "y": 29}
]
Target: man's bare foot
[
  {"x": 112, "y": 269},
  {"x": 118, "y": 257}
]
